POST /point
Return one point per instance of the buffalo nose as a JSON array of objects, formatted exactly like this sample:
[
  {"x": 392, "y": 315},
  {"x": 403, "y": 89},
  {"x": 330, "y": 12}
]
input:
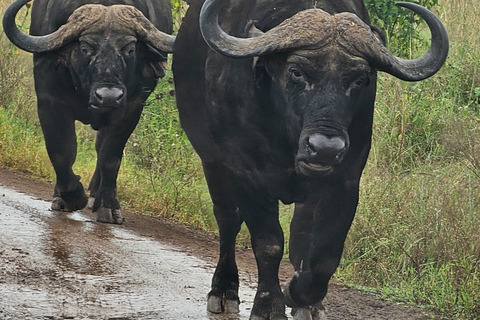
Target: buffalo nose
[
  {"x": 325, "y": 150},
  {"x": 109, "y": 97}
]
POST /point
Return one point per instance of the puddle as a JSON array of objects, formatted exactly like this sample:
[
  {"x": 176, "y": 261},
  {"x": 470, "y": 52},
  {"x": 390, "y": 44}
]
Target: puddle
[{"x": 66, "y": 266}]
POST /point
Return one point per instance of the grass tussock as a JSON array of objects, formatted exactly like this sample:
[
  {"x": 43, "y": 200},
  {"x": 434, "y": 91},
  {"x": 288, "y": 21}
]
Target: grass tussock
[{"x": 416, "y": 236}]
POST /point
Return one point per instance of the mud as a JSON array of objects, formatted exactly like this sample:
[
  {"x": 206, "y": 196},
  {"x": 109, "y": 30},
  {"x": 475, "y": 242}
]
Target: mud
[{"x": 67, "y": 266}]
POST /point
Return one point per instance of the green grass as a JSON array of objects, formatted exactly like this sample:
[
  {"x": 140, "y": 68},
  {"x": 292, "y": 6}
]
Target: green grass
[
  {"x": 162, "y": 167},
  {"x": 416, "y": 236}
]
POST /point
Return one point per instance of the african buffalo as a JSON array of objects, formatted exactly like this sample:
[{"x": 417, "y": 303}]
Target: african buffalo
[
  {"x": 277, "y": 99},
  {"x": 95, "y": 61}
]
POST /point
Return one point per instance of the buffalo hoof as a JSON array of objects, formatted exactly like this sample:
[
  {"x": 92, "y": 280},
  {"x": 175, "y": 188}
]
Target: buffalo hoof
[
  {"x": 91, "y": 201},
  {"x": 276, "y": 317},
  {"x": 59, "y": 204},
  {"x": 108, "y": 215},
  {"x": 316, "y": 312},
  {"x": 219, "y": 305}
]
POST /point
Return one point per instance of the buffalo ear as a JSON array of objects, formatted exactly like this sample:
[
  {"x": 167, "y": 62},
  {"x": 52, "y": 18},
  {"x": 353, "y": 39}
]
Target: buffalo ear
[
  {"x": 258, "y": 64},
  {"x": 379, "y": 34},
  {"x": 63, "y": 57},
  {"x": 259, "y": 71},
  {"x": 154, "y": 63},
  {"x": 153, "y": 70}
]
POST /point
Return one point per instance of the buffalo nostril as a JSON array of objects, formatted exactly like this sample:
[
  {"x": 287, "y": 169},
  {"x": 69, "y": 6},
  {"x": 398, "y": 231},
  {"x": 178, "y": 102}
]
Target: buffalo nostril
[
  {"x": 109, "y": 96},
  {"x": 326, "y": 149},
  {"x": 310, "y": 148}
]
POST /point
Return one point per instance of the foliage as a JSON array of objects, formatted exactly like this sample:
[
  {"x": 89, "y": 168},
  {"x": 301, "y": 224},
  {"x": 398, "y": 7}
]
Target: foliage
[
  {"x": 400, "y": 25},
  {"x": 179, "y": 8}
]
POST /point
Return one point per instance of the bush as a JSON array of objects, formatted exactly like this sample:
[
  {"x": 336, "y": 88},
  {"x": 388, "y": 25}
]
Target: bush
[{"x": 400, "y": 25}]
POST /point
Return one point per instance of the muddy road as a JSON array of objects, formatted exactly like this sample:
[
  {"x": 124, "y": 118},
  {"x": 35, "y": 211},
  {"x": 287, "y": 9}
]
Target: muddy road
[{"x": 67, "y": 266}]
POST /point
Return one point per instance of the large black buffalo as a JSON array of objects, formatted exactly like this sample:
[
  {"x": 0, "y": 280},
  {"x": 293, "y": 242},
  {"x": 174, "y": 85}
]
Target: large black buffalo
[
  {"x": 95, "y": 61},
  {"x": 277, "y": 98}
]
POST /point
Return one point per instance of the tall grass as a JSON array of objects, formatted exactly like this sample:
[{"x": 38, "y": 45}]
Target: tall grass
[
  {"x": 21, "y": 145},
  {"x": 161, "y": 166},
  {"x": 417, "y": 232},
  {"x": 416, "y": 235}
]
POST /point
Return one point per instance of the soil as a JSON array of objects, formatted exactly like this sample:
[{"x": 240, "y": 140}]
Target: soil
[{"x": 342, "y": 303}]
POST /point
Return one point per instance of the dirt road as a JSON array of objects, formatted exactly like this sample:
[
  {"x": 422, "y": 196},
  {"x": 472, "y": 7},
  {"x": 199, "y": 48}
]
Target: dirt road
[{"x": 67, "y": 266}]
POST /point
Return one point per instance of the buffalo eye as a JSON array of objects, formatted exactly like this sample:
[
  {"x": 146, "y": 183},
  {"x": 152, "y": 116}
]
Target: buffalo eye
[
  {"x": 362, "y": 80},
  {"x": 86, "y": 49},
  {"x": 296, "y": 75},
  {"x": 129, "y": 50},
  {"x": 358, "y": 82}
]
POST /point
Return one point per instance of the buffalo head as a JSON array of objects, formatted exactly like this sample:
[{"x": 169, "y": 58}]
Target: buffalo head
[
  {"x": 321, "y": 69},
  {"x": 108, "y": 50}
]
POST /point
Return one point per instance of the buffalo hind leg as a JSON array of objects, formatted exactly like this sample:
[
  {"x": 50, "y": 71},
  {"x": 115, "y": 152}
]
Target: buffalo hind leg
[{"x": 223, "y": 297}]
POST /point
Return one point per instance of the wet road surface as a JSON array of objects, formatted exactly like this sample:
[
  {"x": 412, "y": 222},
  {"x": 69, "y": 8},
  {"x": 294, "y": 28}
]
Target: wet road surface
[{"x": 67, "y": 266}]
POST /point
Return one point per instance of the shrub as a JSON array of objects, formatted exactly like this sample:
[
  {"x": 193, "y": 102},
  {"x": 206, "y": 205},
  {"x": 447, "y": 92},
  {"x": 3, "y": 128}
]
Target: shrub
[{"x": 400, "y": 25}]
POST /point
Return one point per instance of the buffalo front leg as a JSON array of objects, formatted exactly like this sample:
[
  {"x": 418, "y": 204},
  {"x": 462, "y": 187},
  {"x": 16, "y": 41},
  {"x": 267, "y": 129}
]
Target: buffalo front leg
[
  {"x": 223, "y": 297},
  {"x": 110, "y": 143},
  {"x": 61, "y": 143},
  {"x": 301, "y": 231},
  {"x": 261, "y": 216},
  {"x": 317, "y": 235}
]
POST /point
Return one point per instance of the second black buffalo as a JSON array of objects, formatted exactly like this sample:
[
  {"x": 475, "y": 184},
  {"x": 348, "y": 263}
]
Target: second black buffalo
[{"x": 95, "y": 61}]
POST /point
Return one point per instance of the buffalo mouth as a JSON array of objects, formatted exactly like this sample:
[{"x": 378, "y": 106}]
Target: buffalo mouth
[
  {"x": 102, "y": 108},
  {"x": 319, "y": 152},
  {"x": 311, "y": 168}
]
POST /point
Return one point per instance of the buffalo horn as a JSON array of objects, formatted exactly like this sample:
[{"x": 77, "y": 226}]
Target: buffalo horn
[
  {"x": 27, "y": 42},
  {"x": 283, "y": 37},
  {"x": 428, "y": 64},
  {"x": 134, "y": 20},
  {"x": 84, "y": 19},
  {"x": 314, "y": 28}
]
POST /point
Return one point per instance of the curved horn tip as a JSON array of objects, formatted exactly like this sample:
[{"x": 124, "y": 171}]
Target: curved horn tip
[
  {"x": 10, "y": 27},
  {"x": 403, "y": 3},
  {"x": 433, "y": 60},
  {"x": 413, "y": 6},
  {"x": 407, "y": 5}
]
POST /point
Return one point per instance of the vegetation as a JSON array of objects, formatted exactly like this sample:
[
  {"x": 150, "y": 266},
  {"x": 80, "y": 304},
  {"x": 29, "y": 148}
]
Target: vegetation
[
  {"x": 416, "y": 237},
  {"x": 401, "y": 26}
]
